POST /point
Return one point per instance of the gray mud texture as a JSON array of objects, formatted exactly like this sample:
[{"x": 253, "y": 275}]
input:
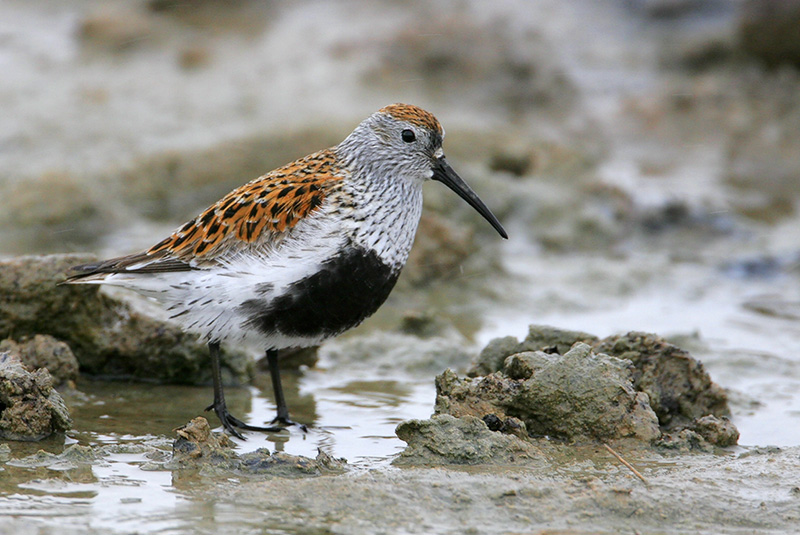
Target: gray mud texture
[
  {"x": 30, "y": 408},
  {"x": 580, "y": 395},
  {"x": 554, "y": 384},
  {"x": 464, "y": 440},
  {"x": 679, "y": 388},
  {"x": 584, "y": 491},
  {"x": 540, "y": 338},
  {"x": 44, "y": 351},
  {"x": 108, "y": 338},
  {"x": 198, "y": 448},
  {"x": 575, "y": 489}
]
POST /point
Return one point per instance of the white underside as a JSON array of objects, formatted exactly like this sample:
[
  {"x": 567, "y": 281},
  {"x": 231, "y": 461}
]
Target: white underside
[{"x": 207, "y": 301}]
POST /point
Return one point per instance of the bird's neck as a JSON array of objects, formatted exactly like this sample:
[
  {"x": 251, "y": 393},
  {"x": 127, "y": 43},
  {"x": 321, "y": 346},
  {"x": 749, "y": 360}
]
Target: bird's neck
[{"x": 386, "y": 215}]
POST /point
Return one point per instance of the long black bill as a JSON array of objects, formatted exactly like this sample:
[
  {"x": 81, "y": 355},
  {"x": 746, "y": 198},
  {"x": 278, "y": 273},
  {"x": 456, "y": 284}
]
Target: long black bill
[{"x": 447, "y": 176}]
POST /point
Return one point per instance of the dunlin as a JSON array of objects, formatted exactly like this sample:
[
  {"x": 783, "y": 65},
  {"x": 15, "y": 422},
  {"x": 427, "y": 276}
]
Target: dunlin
[{"x": 301, "y": 254}]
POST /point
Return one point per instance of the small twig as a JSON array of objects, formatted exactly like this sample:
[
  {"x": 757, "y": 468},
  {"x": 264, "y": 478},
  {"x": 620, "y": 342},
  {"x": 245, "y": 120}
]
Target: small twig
[{"x": 627, "y": 464}]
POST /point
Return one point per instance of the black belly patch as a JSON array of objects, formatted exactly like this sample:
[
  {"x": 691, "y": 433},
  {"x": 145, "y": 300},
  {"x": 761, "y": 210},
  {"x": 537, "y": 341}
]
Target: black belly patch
[{"x": 348, "y": 288}]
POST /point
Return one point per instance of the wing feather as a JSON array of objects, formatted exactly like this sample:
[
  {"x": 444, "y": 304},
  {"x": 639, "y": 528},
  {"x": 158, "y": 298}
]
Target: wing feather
[{"x": 262, "y": 210}]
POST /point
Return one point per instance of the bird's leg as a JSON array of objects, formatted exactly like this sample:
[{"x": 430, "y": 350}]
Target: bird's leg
[
  {"x": 229, "y": 422},
  {"x": 283, "y": 410}
]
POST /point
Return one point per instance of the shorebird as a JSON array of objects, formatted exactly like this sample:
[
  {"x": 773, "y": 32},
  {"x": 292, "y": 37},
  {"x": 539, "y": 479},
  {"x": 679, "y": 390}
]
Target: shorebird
[{"x": 300, "y": 254}]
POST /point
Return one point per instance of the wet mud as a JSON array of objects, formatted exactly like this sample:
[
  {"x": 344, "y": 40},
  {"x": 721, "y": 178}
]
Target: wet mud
[
  {"x": 635, "y": 387},
  {"x": 44, "y": 351},
  {"x": 30, "y": 408},
  {"x": 197, "y": 448}
]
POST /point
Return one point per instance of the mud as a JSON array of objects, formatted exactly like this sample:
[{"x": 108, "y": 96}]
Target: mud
[
  {"x": 635, "y": 386},
  {"x": 587, "y": 492},
  {"x": 107, "y": 336},
  {"x": 445, "y": 439},
  {"x": 44, "y": 351},
  {"x": 540, "y": 338},
  {"x": 30, "y": 408},
  {"x": 576, "y": 396},
  {"x": 679, "y": 388},
  {"x": 581, "y": 490},
  {"x": 197, "y": 448},
  {"x": 717, "y": 431}
]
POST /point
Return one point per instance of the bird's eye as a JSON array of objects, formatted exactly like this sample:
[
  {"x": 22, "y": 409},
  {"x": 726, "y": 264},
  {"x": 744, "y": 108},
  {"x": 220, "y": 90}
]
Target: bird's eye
[{"x": 408, "y": 135}]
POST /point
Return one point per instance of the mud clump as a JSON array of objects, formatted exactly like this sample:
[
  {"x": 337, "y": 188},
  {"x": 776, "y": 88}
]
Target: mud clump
[
  {"x": 283, "y": 464},
  {"x": 717, "y": 431},
  {"x": 573, "y": 386},
  {"x": 701, "y": 435},
  {"x": 44, "y": 351},
  {"x": 108, "y": 338},
  {"x": 465, "y": 440},
  {"x": 31, "y": 409},
  {"x": 196, "y": 441},
  {"x": 576, "y": 396},
  {"x": 197, "y": 447},
  {"x": 540, "y": 338},
  {"x": 679, "y": 388}
]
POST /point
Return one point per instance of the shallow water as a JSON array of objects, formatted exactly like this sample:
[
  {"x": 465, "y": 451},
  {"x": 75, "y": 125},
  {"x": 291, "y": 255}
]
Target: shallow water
[{"x": 120, "y": 494}]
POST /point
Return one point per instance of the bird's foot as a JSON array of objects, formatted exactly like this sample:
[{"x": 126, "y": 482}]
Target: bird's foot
[
  {"x": 284, "y": 421},
  {"x": 231, "y": 423}
]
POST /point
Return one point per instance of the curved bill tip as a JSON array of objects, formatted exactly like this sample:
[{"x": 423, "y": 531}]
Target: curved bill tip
[{"x": 445, "y": 174}]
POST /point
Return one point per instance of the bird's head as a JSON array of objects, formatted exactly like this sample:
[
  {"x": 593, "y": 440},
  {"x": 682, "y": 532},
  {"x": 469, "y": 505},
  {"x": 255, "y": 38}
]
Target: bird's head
[{"x": 404, "y": 142}]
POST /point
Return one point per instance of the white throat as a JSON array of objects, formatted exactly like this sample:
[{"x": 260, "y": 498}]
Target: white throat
[{"x": 389, "y": 219}]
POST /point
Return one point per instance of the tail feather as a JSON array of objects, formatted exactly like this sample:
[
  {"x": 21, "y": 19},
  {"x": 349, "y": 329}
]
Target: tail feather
[{"x": 136, "y": 264}]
